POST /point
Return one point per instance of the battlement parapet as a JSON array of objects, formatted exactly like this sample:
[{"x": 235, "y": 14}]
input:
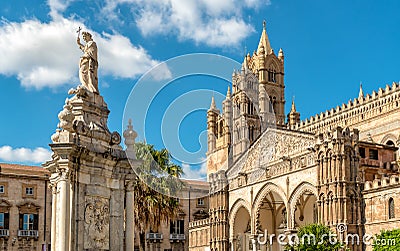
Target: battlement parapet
[
  {"x": 354, "y": 111},
  {"x": 382, "y": 183}
]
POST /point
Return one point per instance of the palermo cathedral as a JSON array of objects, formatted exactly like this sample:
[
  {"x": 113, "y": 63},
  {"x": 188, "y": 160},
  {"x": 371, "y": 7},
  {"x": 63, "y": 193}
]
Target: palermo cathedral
[{"x": 271, "y": 173}]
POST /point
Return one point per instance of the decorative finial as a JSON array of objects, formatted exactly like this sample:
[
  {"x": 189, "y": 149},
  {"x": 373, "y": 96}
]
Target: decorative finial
[
  {"x": 130, "y": 136},
  {"x": 213, "y": 106},
  {"x": 264, "y": 24},
  {"x": 228, "y": 93},
  {"x": 293, "y": 105},
  {"x": 361, "y": 93}
]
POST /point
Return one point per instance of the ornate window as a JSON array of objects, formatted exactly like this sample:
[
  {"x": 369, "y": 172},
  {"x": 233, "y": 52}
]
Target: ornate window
[
  {"x": 29, "y": 221},
  {"x": 391, "y": 209},
  {"x": 272, "y": 76}
]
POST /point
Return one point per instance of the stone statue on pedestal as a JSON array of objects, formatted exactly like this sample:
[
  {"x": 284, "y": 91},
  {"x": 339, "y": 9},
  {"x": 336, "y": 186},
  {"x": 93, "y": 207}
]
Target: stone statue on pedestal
[
  {"x": 88, "y": 63},
  {"x": 91, "y": 174}
]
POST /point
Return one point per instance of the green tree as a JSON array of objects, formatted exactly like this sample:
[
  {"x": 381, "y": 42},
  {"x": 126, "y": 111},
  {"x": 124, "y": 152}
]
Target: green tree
[
  {"x": 315, "y": 237},
  {"x": 157, "y": 179},
  {"x": 387, "y": 240}
]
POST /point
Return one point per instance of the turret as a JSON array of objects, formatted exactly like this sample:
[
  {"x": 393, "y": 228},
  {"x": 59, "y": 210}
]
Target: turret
[
  {"x": 280, "y": 55},
  {"x": 212, "y": 116},
  {"x": 227, "y": 115},
  {"x": 293, "y": 116}
]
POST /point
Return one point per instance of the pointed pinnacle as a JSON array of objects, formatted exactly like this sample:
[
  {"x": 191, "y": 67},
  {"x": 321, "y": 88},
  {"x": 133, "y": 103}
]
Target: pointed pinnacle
[
  {"x": 213, "y": 106},
  {"x": 361, "y": 93},
  {"x": 228, "y": 93}
]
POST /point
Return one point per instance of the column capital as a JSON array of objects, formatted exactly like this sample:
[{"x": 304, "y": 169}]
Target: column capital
[
  {"x": 64, "y": 174},
  {"x": 130, "y": 185},
  {"x": 53, "y": 188}
]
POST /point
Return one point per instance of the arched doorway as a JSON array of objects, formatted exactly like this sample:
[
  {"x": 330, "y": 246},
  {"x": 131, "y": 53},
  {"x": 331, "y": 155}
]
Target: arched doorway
[
  {"x": 242, "y": 230},
  {"x": 306, "y": 210},
  {"x": 271, "y": 221}
]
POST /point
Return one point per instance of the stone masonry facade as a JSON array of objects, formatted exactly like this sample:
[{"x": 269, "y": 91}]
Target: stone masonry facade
[{"x": 272, "y": 175}]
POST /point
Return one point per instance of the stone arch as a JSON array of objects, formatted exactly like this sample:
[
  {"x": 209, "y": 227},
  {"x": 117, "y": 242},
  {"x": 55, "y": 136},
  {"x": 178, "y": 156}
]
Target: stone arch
[
  {"x": 239, "y": 203},
  {"x": 297, "y": 192},
  {"x": 389, "y": 137},
  {"x": 264, "y": 191},
  {"x": 272, "y": 62}
]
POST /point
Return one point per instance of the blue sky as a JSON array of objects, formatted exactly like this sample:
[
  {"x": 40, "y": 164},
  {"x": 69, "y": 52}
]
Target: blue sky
[{"x": 330, "y": 47}]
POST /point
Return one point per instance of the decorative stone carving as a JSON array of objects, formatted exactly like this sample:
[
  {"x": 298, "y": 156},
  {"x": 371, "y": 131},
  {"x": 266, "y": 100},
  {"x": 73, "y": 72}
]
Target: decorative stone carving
[
  {"x": 115, "y": 138},
  {"x": 97, "y": 223},
  {"x": 66, "y": 117}
]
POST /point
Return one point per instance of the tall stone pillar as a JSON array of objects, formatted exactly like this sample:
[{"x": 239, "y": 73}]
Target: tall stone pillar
[
  {"x": 53, "y": 217},
  {"x": 63, "y": 221},
  {"x": 130, "y": 221},
  {"x": 89, "y": 168}
]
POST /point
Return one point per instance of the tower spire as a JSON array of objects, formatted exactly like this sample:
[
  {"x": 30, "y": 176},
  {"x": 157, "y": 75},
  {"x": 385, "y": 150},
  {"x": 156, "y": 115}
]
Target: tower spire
[
  {"x": 228, "y": 93},
  {"x": 293, "y": 109},
  {"x": 264, "y": 41},
  {"x": 213, "y": 106}
]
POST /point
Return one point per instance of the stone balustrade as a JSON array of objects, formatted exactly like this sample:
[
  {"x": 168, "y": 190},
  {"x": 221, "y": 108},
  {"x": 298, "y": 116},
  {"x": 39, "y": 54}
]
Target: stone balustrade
[{"x": 199, "y": 223}]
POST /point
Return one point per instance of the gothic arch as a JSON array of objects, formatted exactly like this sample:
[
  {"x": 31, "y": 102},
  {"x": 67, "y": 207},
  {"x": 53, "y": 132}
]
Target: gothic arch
[
  {"x": 388, "y": 137},
  {"x": 239, "y": 203},
  {"x": 297, "y": 192},
  {"x": 265, "y": 190},
  {"x": 273, "y": 63}
]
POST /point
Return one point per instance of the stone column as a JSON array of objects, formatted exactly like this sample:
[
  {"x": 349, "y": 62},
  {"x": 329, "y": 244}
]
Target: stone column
[
  {"x": 254, "y": 243},
  {"x": 62, "y": 232},
  {"x": 130, "y": 220},
  {"x": 53, "y": 215}
]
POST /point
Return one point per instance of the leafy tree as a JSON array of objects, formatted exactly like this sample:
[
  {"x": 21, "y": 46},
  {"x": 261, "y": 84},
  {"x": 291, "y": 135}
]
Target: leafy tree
[
  {"x": 157, "y": 179},
  {"x": 315, "y": 237},
  {"x": 387, "y": 240}
]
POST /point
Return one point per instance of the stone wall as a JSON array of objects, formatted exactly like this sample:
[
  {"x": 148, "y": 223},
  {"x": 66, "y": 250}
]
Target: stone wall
[
  {"x": 376, "y": 196},
  {"x": 199, "y": 235}
]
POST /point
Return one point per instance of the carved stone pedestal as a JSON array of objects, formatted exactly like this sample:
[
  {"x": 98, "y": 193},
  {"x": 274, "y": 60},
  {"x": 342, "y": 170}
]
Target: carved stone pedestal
[{"x": 89, "y": 175}]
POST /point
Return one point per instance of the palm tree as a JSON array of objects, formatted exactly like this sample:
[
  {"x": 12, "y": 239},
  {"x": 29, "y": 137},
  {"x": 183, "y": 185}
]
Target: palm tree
[{"x": 156, "y": 179}]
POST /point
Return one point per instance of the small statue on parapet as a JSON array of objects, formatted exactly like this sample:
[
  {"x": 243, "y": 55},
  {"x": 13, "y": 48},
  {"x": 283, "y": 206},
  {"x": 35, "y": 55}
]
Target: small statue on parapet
[{"x": 88, "y": 63}]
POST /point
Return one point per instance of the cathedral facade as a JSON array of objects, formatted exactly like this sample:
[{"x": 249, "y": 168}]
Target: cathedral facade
[{"x": 271, "y": 173}]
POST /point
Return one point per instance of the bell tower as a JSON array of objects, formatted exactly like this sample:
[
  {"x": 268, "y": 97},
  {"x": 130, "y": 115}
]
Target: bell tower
[{"x": 270, "y": 71}]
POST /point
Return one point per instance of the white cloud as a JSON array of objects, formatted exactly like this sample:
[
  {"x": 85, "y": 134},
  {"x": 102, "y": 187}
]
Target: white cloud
[
  {"x": 120, "y": 58},
  {"x": 46, "y": 55},
  {"x": 215, "y": 23},
  {"x": 194, "y": 174},
  {"x": 37, "y": 155},
  {"x": 57, "y": 7}
]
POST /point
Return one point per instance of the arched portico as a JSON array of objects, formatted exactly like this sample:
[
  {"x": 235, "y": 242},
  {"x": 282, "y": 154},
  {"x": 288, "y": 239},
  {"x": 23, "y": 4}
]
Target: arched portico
[
  {"x": 240, "y": 226},
  {"x": 270, "y": 215},
  {"x": 303, "y": 205}
]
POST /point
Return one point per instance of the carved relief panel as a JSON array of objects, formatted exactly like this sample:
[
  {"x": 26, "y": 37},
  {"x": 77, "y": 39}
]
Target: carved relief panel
[{"x": 97, "y": 223}]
